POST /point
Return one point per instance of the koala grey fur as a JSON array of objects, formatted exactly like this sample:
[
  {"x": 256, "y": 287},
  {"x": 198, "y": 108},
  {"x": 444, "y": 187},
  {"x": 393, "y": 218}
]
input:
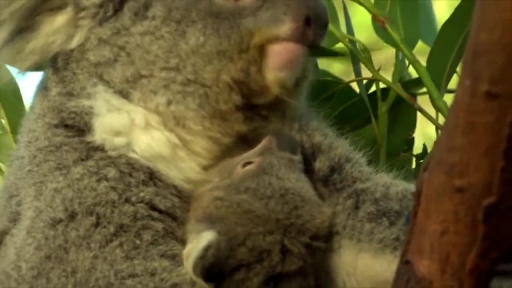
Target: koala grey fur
[
  {"x": 139, "y": 99},
  {"x": 260, "y": 222}
]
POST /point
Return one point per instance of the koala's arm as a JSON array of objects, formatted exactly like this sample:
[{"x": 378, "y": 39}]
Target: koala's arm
[{"x": 371, "y": 207}]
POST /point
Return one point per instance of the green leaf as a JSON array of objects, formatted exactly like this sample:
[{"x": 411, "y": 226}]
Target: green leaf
[
  {"x": 11, "y": 101},
  {"x": 343, "y": 107},
  {"x": 356, "y": 63},
  {"x": 330, "y": 39},
  {"x": 420, "y": 159},
  {"x": 402, "y": 120},
  {"x": 448, "y": 49},
  {"x": 6, "y": 139},
  {"x": 401, "y": 126},
  {"x": 428, "y": 24},
  {"x": 400, "y": 71},
  {"x": 412, "y": 86},
  {"x": 368, "y": 85},
  {"x": 323, "y": 52},
  {"x": 367, "y": 140},
  {"x": 337, "y": 102},
  {"x": 403, "y": 16}
]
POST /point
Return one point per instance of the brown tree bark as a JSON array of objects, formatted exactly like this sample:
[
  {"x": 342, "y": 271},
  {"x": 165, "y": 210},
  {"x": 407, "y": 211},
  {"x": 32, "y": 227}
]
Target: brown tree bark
[{"x": 462, "y": 220}]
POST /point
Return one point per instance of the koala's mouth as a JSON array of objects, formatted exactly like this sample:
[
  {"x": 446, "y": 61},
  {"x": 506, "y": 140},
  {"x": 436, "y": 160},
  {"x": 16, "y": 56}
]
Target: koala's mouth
[
  {"x": 283, "y": 56},
  {"x": 283, "y": 63}
]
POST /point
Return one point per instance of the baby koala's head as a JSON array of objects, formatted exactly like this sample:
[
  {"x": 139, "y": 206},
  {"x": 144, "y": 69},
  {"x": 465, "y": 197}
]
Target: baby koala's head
[{"x": 259, "y": 223}]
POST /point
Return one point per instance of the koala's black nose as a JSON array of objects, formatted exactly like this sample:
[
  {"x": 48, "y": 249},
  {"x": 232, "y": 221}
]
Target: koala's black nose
[{"x": 316, "y": 23}]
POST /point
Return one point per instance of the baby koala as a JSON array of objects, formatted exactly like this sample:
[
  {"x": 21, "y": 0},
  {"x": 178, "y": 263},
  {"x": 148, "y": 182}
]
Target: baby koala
[{"x": 260, "y": 223}]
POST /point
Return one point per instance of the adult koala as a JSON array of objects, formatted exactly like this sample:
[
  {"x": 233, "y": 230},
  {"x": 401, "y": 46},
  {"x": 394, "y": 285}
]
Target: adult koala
[{"x": 140, "y": 97}]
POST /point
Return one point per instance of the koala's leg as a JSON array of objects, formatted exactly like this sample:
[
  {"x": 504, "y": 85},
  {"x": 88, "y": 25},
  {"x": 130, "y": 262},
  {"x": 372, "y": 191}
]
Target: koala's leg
[{"x": 371, "y": 207}]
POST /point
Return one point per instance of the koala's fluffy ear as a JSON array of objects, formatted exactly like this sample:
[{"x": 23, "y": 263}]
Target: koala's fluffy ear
[
  {"x": 200, "y": 256},
  {"x": 31, "y": 31}
]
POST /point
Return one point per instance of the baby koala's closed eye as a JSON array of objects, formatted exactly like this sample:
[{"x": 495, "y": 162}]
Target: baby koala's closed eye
[{"x": 259, "y": 223}]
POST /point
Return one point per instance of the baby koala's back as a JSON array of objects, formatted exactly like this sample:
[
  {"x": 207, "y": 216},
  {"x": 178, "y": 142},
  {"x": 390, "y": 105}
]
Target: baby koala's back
[{"x": 260, "y": 223}]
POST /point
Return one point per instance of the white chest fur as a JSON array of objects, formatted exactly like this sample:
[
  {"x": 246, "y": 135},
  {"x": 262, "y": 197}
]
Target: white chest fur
[{"x": 122, "y": 127}]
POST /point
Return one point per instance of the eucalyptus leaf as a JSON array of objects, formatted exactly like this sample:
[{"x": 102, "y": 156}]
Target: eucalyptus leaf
[
  {"x": 368, "y": 85},
  {"x": 403, "y": 16},
  {"x": 410, "y": 86},
  {"x": 330, "y": 39},
  {"x": 11, "y": 100},
  {"x": 428, "y": 23},
  {"x": 343, "y": 107},
  {"x": 356, "y": 63},
  {"x": 337, "y": 102},
  {"x": 400, "y": 71},
  {"x": 420, "y": 159},
  {"x": 402, "y": 120},
  {"x": 6, "y": 140},
  {"x": 448, "y": 49},
  {"x": 324, "y": 52}
]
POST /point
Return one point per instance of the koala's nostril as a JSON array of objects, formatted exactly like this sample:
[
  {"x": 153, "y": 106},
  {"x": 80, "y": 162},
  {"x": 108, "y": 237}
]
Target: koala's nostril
[
  {"x": 308, "y": 22},
  {"x": 246, "y": 164},
  {"x": 315, "y": 28},
  {"x": 315, "y": 22}
]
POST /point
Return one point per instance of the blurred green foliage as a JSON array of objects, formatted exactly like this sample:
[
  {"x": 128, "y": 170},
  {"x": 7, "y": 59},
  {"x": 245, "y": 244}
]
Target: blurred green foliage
[
  {"x": 12, "y": 110},
  {"x": 377, "y": 93},
  {"x": 369, "y": 86}
]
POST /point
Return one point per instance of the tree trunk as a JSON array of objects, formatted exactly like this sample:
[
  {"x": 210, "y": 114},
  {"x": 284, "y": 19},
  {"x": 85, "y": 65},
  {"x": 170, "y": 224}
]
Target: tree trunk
[{"x": 462, "y": 221}]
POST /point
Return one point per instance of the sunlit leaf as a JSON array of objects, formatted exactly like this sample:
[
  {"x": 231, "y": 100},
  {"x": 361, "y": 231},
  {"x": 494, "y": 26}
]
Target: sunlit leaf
[
  {"x": 403, "y": 16},
  {"x": 6, "y": 138},
  {"x": 330, "y": 39},
  {"x": 356, "y": 63},
  {"x": 428, "y": 24},
  {"x": 343, "y": 107},
  {"x": 11, "y": 100},
  {"x": 448, "y": 49}
]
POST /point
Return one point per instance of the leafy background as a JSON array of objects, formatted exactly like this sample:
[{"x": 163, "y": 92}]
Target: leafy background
[{"x": 388, "y": 69}]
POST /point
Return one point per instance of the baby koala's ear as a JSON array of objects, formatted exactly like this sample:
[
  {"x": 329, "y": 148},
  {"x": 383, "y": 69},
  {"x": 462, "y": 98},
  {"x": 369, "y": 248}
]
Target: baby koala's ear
[{"x": 200, "y": 256}]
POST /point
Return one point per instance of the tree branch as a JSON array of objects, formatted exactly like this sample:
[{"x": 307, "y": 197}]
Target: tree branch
[{"x": 461, "y": 224}]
